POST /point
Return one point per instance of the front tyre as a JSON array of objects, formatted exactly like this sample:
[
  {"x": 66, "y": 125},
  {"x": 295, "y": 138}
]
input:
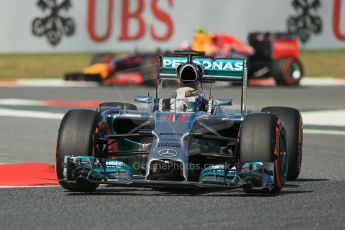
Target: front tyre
[
  {"x": 293, "y": 124},
  {"x": 76, "y": 137},
  {"x": 263, "y": 139}
]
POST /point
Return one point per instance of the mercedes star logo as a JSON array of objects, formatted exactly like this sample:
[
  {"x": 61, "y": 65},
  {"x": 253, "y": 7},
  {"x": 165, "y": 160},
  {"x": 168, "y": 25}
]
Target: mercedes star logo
[{"x": 169, "y": 153}]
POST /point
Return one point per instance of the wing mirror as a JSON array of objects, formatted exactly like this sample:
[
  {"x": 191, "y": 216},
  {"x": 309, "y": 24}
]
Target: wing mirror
[
  {"x": 143, "y": 99},
  {"x": 222, "y": 101}
]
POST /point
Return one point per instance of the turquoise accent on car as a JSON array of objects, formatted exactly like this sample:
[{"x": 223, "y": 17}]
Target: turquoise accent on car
[
  {"x": 248, "y": 170},
  {"x": 222, "y": 102},
  {"x": 223, "y": 67},
  {"x": 143, "y": 99},
  {"x": 216, "y": 170},
  {"x": 112, "y": 167}
]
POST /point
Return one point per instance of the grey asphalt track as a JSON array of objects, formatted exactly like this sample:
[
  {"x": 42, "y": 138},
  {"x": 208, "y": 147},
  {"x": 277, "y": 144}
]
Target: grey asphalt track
[
  {"x": 331, "y": 97},
  {"x": 314, "y": 201}
]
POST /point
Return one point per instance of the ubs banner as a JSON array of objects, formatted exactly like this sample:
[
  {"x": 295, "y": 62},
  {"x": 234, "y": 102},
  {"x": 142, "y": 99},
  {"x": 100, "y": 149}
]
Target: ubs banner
[{"x": 117, "y": 25}]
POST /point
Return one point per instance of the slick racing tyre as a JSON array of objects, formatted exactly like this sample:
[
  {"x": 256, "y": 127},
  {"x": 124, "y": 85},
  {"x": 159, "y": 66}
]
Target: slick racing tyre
[
  {"x": 287, "y": 71},
  {"x": 129, "y": 106},
  {"x": 76, "y": 137},
  {"x": 263, "y": 139},
  {"x": 293, "y": 124}
]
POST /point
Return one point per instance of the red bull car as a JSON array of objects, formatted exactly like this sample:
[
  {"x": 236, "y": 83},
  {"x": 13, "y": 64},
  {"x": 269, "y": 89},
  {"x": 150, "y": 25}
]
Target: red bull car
[
  {"x": 268, "y": 54},
  {"x": 108, "y": 69}
]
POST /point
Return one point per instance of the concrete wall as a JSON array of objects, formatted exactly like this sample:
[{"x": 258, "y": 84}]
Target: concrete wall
[{"x": 117, "y": 25}]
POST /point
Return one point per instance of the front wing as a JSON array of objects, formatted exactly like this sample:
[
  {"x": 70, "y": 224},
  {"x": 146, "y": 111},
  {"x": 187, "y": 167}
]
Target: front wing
[{"x": 256, "y": 175}]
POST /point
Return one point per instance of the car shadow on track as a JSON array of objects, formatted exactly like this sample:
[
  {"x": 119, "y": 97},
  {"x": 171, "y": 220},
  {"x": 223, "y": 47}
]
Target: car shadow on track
[
  {"x": 291, "y": 187},
  {"x": 297, "y": 184},
  {"x": 311, "y": 179},
  {"x": 292, "y": 184},
  {"x": 177, "y": 192}
]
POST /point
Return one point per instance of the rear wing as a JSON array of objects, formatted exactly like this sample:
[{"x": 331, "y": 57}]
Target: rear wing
[
  {"x": 214, "y": 69},
  {"x": 219, "y": 69}
]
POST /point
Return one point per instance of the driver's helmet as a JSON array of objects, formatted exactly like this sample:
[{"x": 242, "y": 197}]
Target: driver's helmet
[{"x": 185, "y": 99}]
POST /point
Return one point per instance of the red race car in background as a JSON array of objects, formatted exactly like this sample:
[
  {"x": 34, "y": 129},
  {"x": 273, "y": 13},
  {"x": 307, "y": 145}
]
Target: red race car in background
[
  {"x": 268, "y": 55},
  {"x": 276, "y": 55}
]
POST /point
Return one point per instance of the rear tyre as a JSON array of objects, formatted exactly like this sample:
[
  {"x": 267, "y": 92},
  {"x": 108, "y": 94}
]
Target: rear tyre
[
  {"x": 293, "y": 124},
  {"x": 76, "y": 137},
  {"x": 287, "y": 71},
  {"x": 263, "y": 139},
  {"x": 121, "y": 105}
]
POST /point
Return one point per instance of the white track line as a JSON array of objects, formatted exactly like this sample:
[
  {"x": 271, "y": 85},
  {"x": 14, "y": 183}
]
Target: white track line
[
  {"x": 47, "y": 83},
  {"x": 324, "y": 118},
  {"x": 19, "y": 101},
  {"x": 324, "y": 132},
  {"x": 30, "y": 114},
  {"x": 55, "y": 83},
  {"x": 306, "y": 81},
  {"x": 322, "y": 81}
]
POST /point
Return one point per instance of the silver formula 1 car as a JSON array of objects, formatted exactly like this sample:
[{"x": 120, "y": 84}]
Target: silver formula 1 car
[{"x": 186, "y": 140}]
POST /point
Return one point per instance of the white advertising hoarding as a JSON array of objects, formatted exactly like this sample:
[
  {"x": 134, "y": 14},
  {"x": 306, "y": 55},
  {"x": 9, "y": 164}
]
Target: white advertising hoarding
[{"x": 118, "y": 25}]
